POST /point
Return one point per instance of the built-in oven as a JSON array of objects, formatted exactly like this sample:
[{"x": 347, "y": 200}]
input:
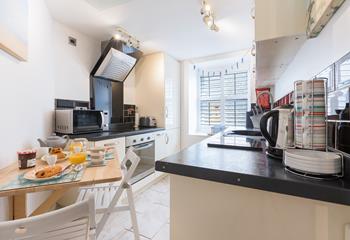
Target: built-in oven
[{"x": 144, "y": 147}]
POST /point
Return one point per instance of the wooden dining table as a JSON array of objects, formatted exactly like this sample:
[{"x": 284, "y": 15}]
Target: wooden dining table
[{"x": 111, "y": 172}]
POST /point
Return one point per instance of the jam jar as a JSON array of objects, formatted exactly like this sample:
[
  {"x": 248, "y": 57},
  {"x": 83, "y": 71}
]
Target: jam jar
[{"x": 26, "y": 159}]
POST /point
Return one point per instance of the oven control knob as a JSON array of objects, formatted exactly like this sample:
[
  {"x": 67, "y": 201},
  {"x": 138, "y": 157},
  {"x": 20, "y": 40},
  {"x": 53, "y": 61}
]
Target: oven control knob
[
  {"x": 134, "y": 141},
  {"x": 141, "y": 139},
  {"x": 148, "y": 138}
]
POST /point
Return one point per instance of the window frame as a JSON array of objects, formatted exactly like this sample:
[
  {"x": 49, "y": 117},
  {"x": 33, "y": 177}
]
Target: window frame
[
  {"x": 223, "y": 98},
  {"x": 338, "y": 76}
]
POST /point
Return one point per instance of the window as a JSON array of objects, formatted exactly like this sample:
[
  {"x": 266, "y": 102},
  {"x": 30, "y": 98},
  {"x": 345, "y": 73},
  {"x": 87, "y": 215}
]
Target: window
[
  {"x": 328, "y": 73},
  {"x": 223, "y": 99},
  {"x": 343, "y": 71}
]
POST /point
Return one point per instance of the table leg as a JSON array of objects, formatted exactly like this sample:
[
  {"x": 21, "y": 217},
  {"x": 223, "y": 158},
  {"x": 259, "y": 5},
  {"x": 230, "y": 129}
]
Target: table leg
[
  {"x": 10, "y": 207},
  {"x": 19, "y": 206},
  {"x": 50, "y": 201}
]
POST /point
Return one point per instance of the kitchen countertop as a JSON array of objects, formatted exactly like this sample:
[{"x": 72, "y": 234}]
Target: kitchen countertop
[
  {"x": 251, "y": 169},
  {"x": 99, "y": 136}
]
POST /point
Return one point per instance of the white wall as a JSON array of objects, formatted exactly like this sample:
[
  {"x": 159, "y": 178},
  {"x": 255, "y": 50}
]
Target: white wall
[
  {"x": 28, "y": 89},
  {"x": 73, "y": 63},
  {"x": 317, "y": 54},
  {"x": 188, "y": 85},
  {"x": 129, "y": 88}
]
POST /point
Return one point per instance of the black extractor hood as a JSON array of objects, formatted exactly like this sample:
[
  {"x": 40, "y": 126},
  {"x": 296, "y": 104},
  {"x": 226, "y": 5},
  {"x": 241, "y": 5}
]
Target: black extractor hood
[{"x": 117, "y": 61}]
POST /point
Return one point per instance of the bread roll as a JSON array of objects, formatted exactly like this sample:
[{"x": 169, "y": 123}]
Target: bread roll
[{"x": 48, "y": 171}]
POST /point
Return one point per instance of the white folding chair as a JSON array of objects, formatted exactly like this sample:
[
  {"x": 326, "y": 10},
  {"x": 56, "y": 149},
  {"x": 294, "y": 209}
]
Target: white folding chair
[
  {"x": 107, "y": 197},
  {"x": 73, "y": 222}
]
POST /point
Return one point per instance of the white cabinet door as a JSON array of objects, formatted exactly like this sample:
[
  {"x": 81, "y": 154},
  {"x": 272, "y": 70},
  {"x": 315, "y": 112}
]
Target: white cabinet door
[
  {"x": 172, "y": 92},
  {"x": 276, "y": 18},
  {"x": 160, "y": 146},
  {"x": 172, "y": 140},
  {"x": 167, "y": 143},
  {"x": 149, "y": 87},
  {"x": 120, "y": 142}
]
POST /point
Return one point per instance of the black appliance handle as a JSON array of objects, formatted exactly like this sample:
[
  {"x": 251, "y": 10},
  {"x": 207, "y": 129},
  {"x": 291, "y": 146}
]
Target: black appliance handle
[{"x": 263, "y": 126}]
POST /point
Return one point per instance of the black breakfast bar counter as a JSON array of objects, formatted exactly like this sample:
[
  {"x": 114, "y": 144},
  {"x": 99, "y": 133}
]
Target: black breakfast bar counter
[
  {"x": 99, "y": 136},
  {"x": 253, "y": 170}
]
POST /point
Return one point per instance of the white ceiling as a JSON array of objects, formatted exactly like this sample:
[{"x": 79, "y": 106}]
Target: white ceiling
[{"x": 173, "y": 26}]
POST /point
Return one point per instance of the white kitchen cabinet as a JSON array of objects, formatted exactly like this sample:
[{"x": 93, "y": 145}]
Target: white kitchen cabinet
[
  {"x": 167, "y": 143},
  {"x": 157, "y": 93},
  {"x": 160, "y": 145},
  {"x": 172, "y": 93},
  {"x": 157, "y": 80},
  {"x": 120, "y": 144},
  {"x": 172, "y": 138},
  {"x": 280, "y": 30},
  {"x": 276, "y": 18}
]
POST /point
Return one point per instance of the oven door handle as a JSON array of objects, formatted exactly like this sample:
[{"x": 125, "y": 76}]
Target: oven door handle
[{"x": 143, "y": 146}]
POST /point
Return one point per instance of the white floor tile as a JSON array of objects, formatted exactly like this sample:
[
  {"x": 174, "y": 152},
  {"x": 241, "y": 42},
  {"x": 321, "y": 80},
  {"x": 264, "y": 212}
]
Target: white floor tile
[
  {"x": 161, "y": 186},
  {"x": 152, "y": 207},
  {"x": 151, "y": 221},
  {"x": 127, "y": 235},
  {"x": 116, "y": 224},
  {"x": 145, "y": 200},
  {"x": 163, "y": 234}
]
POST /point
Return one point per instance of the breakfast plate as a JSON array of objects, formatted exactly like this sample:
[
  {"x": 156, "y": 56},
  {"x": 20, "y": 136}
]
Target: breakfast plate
[
  {"x": 66, "y": 155},
  {"x": 30, "y": 175}
]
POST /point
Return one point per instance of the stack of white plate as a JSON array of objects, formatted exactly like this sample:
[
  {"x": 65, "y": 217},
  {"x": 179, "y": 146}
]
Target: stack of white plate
[{"x": 313, "y": 162}]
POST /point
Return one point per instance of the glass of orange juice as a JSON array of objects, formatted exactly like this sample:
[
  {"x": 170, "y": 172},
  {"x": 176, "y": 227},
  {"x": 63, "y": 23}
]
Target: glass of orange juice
[
  {"x": 78, "y": 142},
  {"x": 77, "y": 156}
]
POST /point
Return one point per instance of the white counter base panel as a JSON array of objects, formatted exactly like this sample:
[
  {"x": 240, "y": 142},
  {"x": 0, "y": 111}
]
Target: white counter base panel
[{"x": 204, "y": 210}]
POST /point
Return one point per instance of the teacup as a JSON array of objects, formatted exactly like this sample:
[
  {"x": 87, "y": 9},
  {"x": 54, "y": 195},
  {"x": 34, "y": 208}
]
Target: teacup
[
  {"x": 51, "y": 159},
  {"x": 42, "y": 151}
]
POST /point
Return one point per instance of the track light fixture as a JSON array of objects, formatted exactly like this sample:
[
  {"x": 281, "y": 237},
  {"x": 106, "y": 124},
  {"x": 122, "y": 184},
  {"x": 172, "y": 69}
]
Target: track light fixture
[
  {"x": 122, "y": 35},
  {"x": 208, "y": 17}
]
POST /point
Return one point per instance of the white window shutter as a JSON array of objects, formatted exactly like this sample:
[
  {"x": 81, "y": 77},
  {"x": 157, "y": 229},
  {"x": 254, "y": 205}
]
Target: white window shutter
[{"x": 223, "y": 99}]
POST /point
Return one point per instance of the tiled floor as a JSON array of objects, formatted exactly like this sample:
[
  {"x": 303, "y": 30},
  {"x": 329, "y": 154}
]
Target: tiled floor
[{"x": 152, "y": 207}]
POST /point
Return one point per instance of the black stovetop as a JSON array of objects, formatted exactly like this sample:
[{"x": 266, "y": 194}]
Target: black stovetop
[{"x": 253, "y": 143}]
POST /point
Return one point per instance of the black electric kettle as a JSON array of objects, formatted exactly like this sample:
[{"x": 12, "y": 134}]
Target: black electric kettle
[{"x": 277, "y": 127}]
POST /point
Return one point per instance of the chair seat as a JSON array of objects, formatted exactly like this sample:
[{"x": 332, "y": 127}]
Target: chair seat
[
  {"x": 71, "y": 223},
  {"x": 103, "y": 195}
]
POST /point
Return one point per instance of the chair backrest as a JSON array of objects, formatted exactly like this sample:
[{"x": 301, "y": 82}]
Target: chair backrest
[
  {"x": 73, "y": 222},
  {"x": 129, "y": 164}
]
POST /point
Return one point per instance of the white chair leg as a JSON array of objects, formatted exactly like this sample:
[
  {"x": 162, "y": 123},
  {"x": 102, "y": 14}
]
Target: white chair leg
[
  {"x": 108, "y": 211},
  {"x": 131, "y": 202}
]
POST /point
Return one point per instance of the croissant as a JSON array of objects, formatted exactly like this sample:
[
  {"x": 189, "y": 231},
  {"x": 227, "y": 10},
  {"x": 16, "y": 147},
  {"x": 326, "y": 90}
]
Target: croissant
[
  {"x": 48, "y": 171},
  {"x": 58, "y": 152}
]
